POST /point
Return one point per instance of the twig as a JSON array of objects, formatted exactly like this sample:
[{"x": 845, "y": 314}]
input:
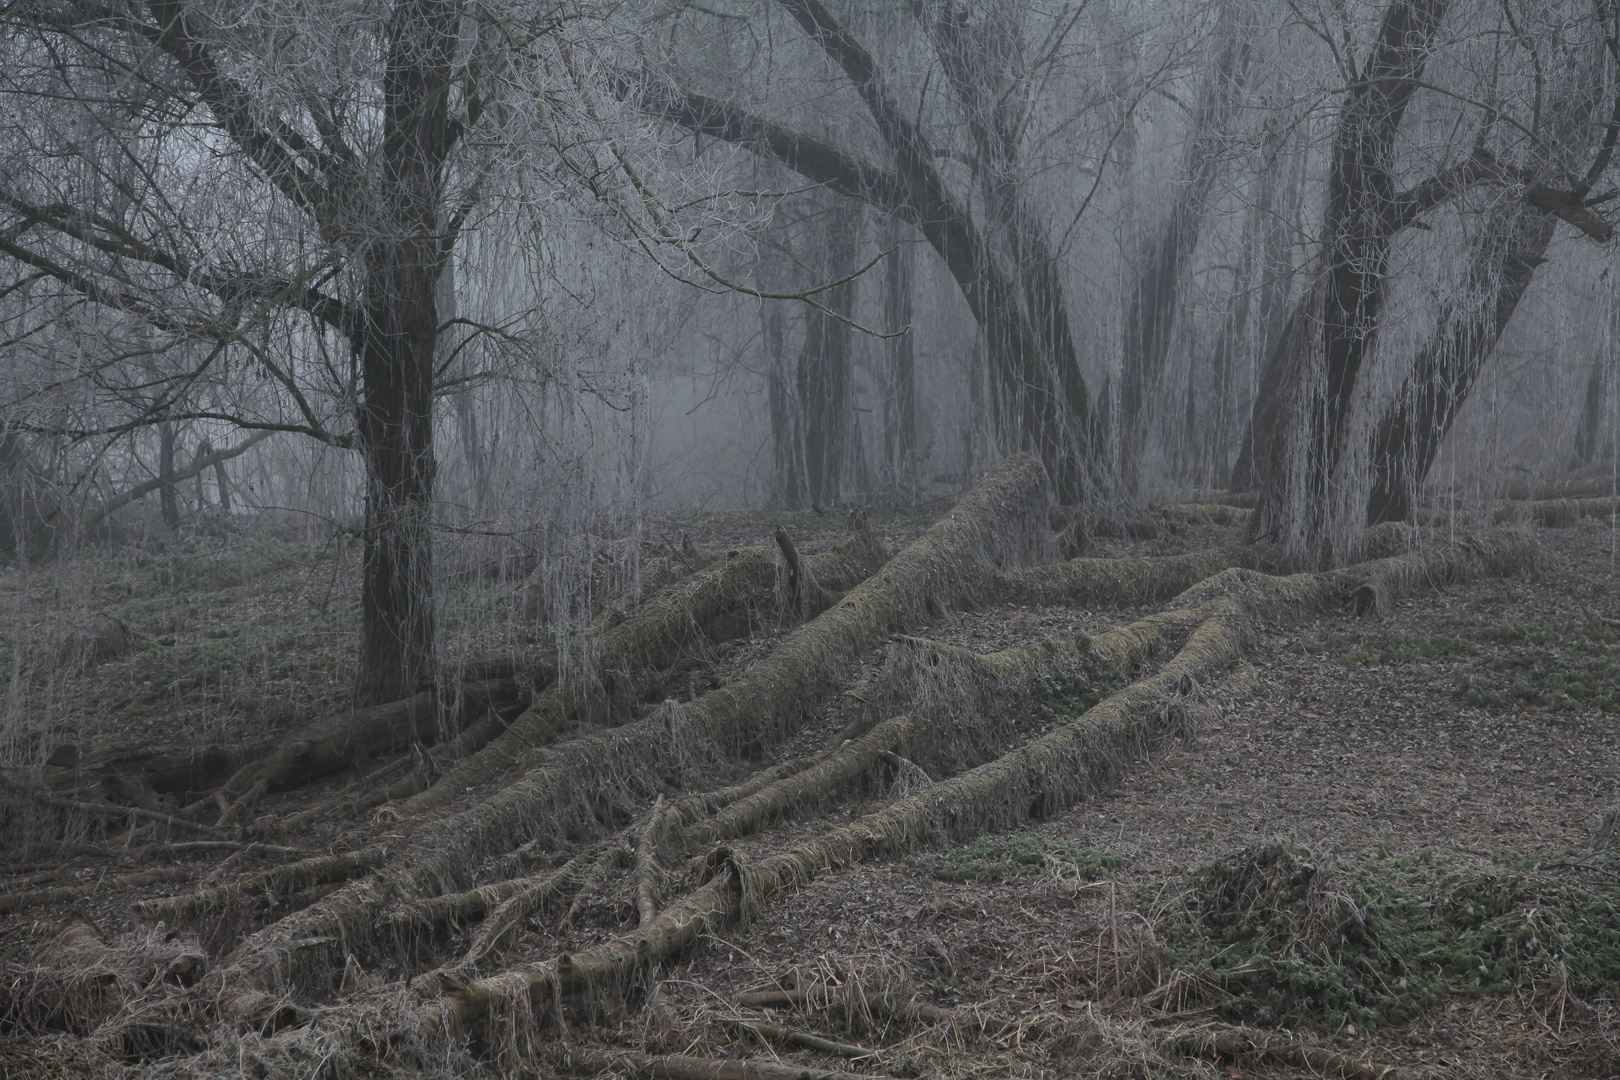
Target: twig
[{"x": 766, "y": 1032}]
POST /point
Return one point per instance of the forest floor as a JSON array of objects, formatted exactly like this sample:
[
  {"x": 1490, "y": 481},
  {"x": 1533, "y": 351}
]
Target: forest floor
[{"x": 1375, "y": 847}]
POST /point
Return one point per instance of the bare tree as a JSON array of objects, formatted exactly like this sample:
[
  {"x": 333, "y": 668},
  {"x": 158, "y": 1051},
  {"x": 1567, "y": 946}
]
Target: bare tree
[{"x": 348, "y": 161}]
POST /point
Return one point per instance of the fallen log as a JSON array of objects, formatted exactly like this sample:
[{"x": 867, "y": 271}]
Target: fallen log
[
  {"x": 1113, "y": 582},
  {"x": 1376, "y": 585},
  {"x": 67, "y": 894},
  {"x": 333, "y": 744},
  {"x": 1549, "y": 490},
  {"x": 132, "y": 813}
]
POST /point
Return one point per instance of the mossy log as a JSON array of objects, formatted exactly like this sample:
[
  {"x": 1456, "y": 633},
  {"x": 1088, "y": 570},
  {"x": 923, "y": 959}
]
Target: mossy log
[
  {"x": 182, "y": 771},
  {"x": 1204, "y": 513},
  {"x": 539, "y": 890},
  {"x": 1559, "y": 513},
  {"x": 715, "y": 605},
  {"x": 1000, "y": 524}
]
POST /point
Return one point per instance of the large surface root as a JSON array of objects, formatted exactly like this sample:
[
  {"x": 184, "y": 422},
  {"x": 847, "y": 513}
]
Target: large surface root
[
  {"x": 708, "y": 607},
  {"x": 611, "y": 774}
]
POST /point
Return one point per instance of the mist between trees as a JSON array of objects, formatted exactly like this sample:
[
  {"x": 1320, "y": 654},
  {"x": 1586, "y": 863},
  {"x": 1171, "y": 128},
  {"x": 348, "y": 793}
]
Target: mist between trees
[{"x": 467, "y": 292}]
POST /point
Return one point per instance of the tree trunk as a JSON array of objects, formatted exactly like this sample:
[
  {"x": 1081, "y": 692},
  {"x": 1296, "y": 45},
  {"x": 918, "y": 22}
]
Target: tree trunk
[
  {"x": 1411, "y": 431},
  {"x": 167, "y": 497},
  {"x": 1332, "y": 331},
  {"x": 787, "y": 463},
  {"x": 1591, "y": 422},
  {"x": 826, "y": 374},
  {"x": 1513, "y": 242},
  {"x": 1007, "y": 273},
  {"x": 396, "y": 351},
  {"x": 899, "y": 383},
  {"x": 1272, "y": 315}
]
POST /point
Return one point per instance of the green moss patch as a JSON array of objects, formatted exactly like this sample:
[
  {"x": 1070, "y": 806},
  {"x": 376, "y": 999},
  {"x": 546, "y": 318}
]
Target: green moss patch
[
  {"x": 1563, "y": 666},
  {"x": 992, "y": 859},
  {"x": 1291, "y": 935},
  {"x": 1082, "y": 688}
]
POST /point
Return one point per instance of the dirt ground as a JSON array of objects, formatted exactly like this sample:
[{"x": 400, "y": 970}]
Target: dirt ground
[{"x": 1427, "y": 730}]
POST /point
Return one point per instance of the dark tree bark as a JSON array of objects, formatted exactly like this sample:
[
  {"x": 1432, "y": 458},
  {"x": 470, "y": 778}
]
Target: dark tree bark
[
  {"x": 1271, "y": 317},
  {"x": 1410, "y": 433},
  {"x": 825, "y": 379},
  {"x": 396, "y": 349},
  {"x": 168, "y": 499},
  {"x": 1512, "y": 243},
  {"x": 1319, "y": 357},
  {"x": 787, "y": 457},
  {"x": 378, "y": 214},
  {"x": 1590, "y": 426}
]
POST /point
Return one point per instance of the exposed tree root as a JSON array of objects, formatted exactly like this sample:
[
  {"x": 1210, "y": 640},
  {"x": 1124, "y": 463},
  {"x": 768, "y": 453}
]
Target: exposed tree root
[
  {"x": 1113, "y": 582},
  {"x": 1559, "y": 513},
  {"x": 999, "y": 524},
  {"x": 333, "y": 744},
  {"x": 180, "y": 771},
  {"x": 131, "y": 813},
  {"x": 1227, "y": 1043},
  {"x": 62, "y": 894},
  {"x": 211, "y": 905},
  {"x": 679, "y": 1067},
  {"x": 711, "y": 606}
]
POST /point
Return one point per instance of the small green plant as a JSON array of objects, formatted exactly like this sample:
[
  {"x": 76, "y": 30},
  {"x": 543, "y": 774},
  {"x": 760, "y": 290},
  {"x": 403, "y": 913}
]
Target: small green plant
[
  {"x": 1392, "y": 648},
  {"x": 1070, "y": 695},
  {"x": 992, "y": 859}
]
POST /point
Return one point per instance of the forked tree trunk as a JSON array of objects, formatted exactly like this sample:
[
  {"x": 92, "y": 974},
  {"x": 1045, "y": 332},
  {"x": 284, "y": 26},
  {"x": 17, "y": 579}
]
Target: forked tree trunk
[
  {"x": 1513, "y": 242},
  {"x": 1331, "y": 332},
  {"x": 1410, "y": 433}
]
